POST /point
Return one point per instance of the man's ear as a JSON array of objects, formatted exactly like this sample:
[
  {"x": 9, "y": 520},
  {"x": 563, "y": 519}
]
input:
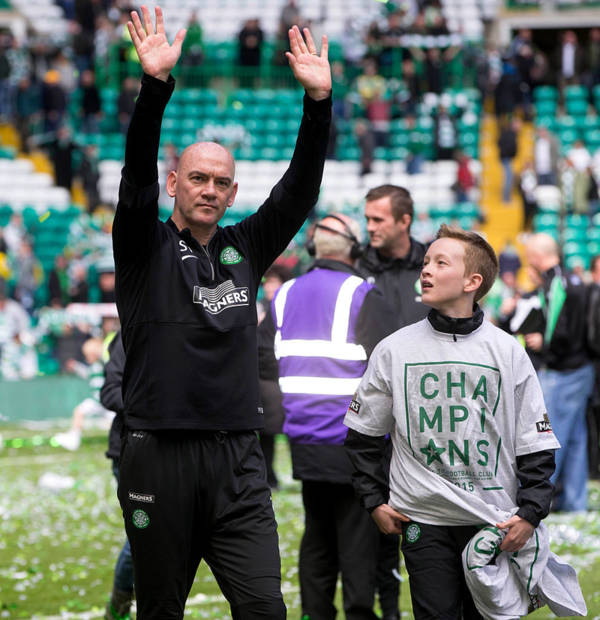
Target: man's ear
[
  {"x": 233, "y": 195},
  {"x": 171, "y": 183},
  {"x": 473, "y": 282}
]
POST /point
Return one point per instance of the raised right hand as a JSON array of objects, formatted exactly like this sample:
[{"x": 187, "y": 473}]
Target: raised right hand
[{"x": 156, "y": 55}]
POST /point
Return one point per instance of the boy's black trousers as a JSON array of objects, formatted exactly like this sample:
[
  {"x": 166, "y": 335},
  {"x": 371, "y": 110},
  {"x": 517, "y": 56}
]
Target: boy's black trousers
[
  {"x": 437, "y": 584},
  {"x": 188, "y": 495}
]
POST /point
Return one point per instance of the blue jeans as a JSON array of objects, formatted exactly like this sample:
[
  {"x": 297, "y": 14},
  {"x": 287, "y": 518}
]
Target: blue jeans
[
  {"x": 566, "y": 393},
  {"x": 124, "y": 567}
]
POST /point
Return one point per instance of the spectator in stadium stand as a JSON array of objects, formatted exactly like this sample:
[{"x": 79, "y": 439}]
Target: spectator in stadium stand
[
  {"x": 569, "y": 59},
  {"x": 594, "y": 342},
  {"x": 89, "y": 171},
  {"x": 250, "y": 39},
  {"x": 79, "y": 289},
  {"x": 527, "y": 186},
  {"x": 13, "y": 316},
  {"x": 126, "y": 101},
  {"x": 60, "y": 147},
  {"x": 28, "y": 274},
  {"x": 366, "y": 143},
  {"x": 507, "y": 94},
  {"x": 507, "y": 148},
  {"x": 546, "y": 157},
  {"x": 592, "y": 61},
  {"x": 302, "y": 332},
  {"x": 91, "y": 104},
  {"x": 567, "y": 375},
  {"x": 445, "y": 134},
  {"x": 27, "y": 109},
  {"x": 54, "y": 101},
  {"x": 186, "y": 295},
  {"x": 14, "y": 233},
  {"x": 391, "y": 41},
  {"x": 192, "y": 54},
  {"x": 58, "y": 282},
  {"x": 392, "y": 261}
]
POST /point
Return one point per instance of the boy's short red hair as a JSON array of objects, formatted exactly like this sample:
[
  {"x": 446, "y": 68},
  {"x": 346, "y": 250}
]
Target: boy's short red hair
[{"x": 479, "y": 256}]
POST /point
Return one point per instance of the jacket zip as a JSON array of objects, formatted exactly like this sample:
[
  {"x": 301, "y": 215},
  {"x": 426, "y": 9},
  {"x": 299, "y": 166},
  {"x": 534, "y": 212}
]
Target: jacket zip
[{"x": 212, "y": 269}]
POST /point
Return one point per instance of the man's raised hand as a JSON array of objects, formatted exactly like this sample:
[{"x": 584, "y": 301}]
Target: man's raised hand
[
  {"x": 156, "y": 55},
  {"x": 310, "y": 69}
]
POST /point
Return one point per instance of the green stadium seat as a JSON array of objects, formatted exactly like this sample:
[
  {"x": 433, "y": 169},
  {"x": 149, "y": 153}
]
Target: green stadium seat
[
  {"x": 545, "y": 93},
  {"x": 577, "y": 107},
  {"x": 575, "y": 92},
  {"x": 577, "y": 220},
  {"x": 545, "y": 108}
]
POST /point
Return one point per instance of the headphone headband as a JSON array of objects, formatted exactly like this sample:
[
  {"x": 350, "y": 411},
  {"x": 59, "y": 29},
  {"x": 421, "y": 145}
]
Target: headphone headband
[{"x": 355, "y": 251}]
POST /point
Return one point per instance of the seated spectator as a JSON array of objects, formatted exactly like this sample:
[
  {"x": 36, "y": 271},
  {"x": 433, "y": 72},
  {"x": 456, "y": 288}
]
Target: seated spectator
[{"x": 435, "y": 22}]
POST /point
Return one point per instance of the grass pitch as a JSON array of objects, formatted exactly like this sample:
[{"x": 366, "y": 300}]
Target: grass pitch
[{"x": 58, "y": 546}]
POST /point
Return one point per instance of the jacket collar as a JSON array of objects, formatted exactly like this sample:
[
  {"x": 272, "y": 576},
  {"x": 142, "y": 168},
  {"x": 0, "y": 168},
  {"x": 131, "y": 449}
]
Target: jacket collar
[
  {"x": 413, "y": 260},
  {"x": 449, "y": 325},
  {"x": 333, "y": 265}
]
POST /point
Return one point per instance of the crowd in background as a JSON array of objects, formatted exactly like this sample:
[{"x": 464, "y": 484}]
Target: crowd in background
[{"x": 40, "y": 77}]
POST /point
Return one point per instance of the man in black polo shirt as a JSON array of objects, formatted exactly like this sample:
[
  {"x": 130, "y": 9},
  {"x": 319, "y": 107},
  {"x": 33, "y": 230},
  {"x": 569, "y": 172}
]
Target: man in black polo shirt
[{"x": 192, "y": 476}]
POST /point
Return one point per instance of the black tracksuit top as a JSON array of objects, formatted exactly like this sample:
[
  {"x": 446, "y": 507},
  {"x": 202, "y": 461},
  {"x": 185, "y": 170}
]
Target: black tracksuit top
[{"x": 188, "y": 312}]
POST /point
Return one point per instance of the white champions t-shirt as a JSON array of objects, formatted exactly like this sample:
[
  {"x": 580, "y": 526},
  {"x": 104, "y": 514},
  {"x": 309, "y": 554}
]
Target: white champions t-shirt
[{"x": 459, "y": 413}]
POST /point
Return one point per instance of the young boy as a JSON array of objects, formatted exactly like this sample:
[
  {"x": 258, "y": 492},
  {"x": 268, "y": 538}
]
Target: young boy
[{"x": 471, "y": 439}]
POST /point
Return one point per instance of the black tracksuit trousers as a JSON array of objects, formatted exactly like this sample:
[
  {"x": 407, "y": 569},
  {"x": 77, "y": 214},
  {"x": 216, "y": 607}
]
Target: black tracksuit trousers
[
  {"x": 432, "y": 556},
  {"x": 188, "y": 495},
  {"x": 339, "y": 537}
]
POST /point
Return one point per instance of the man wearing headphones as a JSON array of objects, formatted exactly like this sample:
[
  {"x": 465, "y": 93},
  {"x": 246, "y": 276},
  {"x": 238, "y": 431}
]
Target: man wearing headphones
[{"x": 321, "y": 328}]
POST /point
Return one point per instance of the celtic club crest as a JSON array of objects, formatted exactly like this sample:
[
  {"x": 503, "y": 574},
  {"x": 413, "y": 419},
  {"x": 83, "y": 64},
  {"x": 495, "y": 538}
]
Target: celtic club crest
[{"x": 140, "y": 519}]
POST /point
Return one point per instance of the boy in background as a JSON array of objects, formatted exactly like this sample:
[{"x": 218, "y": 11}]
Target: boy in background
[
  {"x": 93, "y": 371},
  {"x": 470, "y": 435}
]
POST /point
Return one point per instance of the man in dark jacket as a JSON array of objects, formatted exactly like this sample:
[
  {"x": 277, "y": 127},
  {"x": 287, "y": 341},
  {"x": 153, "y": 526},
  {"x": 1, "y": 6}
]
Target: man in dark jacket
[
  {"x": 111, "y": 398},
  {"x": 393, "y": 259},
  {"x": 192, "y": 481},
  {"x": 322, "y": 327},
  {"x": 567, "y": 375},
  {"x": 507, "y": 147}
]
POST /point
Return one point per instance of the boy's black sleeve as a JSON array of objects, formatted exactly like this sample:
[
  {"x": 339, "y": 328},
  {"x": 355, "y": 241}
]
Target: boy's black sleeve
[
  {"x": 369, "y": 479},
  {"x": 534, "y": 496}
]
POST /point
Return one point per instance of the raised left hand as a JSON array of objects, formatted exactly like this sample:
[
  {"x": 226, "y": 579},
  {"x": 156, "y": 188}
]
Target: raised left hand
[
  {"x": 310, "y": 69},
  {"x": 519, "y": 532}
]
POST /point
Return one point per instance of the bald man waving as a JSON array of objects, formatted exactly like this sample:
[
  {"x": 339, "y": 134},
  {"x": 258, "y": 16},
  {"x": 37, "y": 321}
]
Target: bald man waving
[{"x": 192, "y": 478}]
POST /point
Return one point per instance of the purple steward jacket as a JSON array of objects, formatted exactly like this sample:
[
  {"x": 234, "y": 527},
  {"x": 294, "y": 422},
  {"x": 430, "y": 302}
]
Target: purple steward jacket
[{"x": 320, "y": 361}]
